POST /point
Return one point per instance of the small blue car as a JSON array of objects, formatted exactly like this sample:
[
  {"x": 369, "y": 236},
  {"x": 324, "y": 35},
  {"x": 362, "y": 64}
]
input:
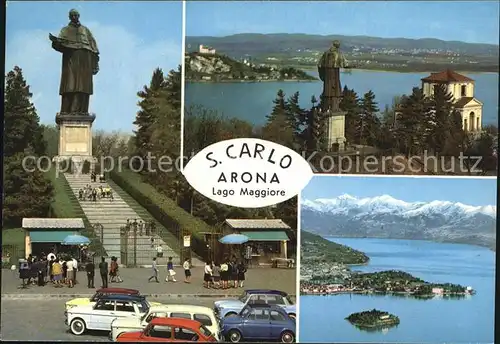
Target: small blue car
[
  {"x": 259, "y": 322},
  {"x": 232, "y": 307}
]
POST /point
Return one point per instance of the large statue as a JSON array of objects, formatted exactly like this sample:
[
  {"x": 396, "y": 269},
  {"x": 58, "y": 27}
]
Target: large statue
[
  {"x": 80, "y": 62},
  {"x": 329, "y": 72}
]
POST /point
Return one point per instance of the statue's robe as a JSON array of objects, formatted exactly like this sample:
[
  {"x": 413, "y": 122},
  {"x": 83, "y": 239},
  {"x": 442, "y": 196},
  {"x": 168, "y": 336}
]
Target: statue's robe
[
  {"x": 79, "y": 64},
  {"x": 329, "y": 72}
]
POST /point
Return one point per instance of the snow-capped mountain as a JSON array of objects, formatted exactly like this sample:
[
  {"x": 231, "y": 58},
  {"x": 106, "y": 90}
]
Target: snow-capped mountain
[{"x": 387, "y": 217}]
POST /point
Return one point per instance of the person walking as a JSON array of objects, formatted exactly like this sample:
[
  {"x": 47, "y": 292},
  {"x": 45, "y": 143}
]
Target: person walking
[
  {"x": 216, "y": 275},
  {"x": 75, "y": 271},
  {"x": 187, "y": 271},
  {"x": 112, "y": 270},
  {"x": 57, "y": 273},
  {"x": 207, "y": 277},
  {"x": 223, "y": 274},
  {"x": 103, "y": 270},
  {"x": 170, "y": 270},
  {"x": 159, "y": 251},
  {"x": 234, "y": 272},
  {"x": 155, "y": 271},
  {"x": 90, "y": 269},
  {"x": 242, "y": 269},
  {"x": 70, "y": 278}
]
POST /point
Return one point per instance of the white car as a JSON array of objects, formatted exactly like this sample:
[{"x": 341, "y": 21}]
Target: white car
[
  {"x": 100, "y": 315},
  {"x": 203, "y": 315}
]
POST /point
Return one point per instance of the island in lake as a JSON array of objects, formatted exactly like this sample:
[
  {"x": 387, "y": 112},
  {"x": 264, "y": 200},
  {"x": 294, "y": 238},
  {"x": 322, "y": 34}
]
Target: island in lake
[
  {"x": 325, "y": 271},
  {"x": 212, "y": 67},
  {"x": 372, "y": 320}
]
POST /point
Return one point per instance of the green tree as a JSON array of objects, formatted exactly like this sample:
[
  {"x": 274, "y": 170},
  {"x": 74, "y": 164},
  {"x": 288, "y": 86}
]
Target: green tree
[
  {"x": 145, "y": 116},
  {"x": 51, "y": 138},
  {"x": 440, "y": 120},
  {"x": 350, "y": 104},
  {"x": 296, "y": 118},
  {"x": 369, "y": 131},
  {"x": 411, "y": 128},
  {"x": 278, "y": 128},
  {"x": 26, "y": 191},
  {"x": 21, "y": 122}
]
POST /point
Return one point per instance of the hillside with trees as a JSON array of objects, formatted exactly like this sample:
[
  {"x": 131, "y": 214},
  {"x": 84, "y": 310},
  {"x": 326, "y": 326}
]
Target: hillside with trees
[{"x": 222, "y": 68}]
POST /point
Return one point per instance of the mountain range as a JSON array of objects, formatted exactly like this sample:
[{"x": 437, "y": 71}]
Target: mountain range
[
  {"x": 387, "y": 217},
  {"x": 262, "y": 44}
]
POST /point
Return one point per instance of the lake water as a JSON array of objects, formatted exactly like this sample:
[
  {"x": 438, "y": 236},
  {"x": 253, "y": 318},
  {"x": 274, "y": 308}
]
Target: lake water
[
  {"x": 469, "y": 320},
  {"x": 253, "y": 101}
]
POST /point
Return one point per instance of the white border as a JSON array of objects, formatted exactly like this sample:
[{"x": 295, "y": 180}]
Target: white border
[
  {"x": 183, "y": 81},
  {"x": 428, "y": 176},
  {"x": 297, "y": 272}
]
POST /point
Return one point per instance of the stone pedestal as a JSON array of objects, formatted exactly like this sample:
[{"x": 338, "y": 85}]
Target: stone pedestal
[
  {"x": 75, "y": 139},
  {"x": 335, "y": 130}
]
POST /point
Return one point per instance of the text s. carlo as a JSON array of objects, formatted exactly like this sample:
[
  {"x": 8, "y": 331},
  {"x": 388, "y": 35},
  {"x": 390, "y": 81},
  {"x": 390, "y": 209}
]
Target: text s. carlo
[{"x": 248, "y": 173}]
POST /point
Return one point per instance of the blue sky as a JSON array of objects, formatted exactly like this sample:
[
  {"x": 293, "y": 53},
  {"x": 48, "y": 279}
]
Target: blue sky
[
  {"x": 470, "y": 191},
  {"x": 472, "y": 21},
  {"x": 133, "y": 38}
]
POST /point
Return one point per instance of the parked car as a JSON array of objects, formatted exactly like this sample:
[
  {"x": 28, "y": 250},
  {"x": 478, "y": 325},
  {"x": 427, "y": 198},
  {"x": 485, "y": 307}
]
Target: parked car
[
  {"x": 260, "y": 322},
  {"x": 232, "y": 307},
  {"x": 203, "y": 315},
  {"x": 102, "y": 292},
  {"x": 170, "y": 330},
  {"x": 100, "y": 315}
]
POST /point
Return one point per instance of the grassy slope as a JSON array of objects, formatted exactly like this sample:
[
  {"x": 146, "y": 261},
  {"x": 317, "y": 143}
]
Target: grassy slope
[
  {"x": 64, "y": 205},
  {"x": 317, "y": 249}
]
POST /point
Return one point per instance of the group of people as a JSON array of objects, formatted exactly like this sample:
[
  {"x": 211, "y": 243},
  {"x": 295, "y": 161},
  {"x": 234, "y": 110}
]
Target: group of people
[
  {"x": 170, "y": 271},
  {"x": 58, "y": 270},
  {"x": 89, "y": 193},
  {"x": 142, "y": 228},
  {"x": 229, "y": 274},
  {"x": 109, "y": 274},
  {"x": 93, "y": 177}
]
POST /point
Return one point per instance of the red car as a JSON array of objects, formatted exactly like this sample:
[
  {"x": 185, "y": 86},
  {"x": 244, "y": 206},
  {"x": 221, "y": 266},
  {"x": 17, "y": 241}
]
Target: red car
[{"x": 170, "y": 330}]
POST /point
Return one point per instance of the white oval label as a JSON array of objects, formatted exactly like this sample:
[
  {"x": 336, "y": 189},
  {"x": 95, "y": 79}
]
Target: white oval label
[{"x": 248, "y": 173}]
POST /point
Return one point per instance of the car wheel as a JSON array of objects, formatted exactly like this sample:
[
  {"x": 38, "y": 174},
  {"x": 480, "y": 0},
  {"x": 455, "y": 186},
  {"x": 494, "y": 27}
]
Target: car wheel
[
  {"x": 234, "y": 336},
  {"x": 287, "y": 337},
  {"x": 230, "y": 314},
  {"x": 77, "y": 326},
  {"x": 293, "y": 316}
]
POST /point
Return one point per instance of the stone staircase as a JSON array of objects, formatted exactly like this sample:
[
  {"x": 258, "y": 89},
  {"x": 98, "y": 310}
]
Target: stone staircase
[{"x": 112, "y": 215}]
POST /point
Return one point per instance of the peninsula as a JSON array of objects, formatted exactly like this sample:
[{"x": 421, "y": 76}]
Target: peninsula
[
  {"x": 325, "y": 271},
  {"x": 373, "y": 319},
  {"x": 204, "y": 67}
]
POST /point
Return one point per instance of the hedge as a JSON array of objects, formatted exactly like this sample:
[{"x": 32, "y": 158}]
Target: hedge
[{"x": 163, "y": 209}]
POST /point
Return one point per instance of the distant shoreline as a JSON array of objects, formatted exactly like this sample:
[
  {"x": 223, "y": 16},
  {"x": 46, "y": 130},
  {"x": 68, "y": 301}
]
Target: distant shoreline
[
  {"x": 402, "y": 71},
  {"x": 246, "y": 81},
  {"x": 354, "y": 70},
  {"x": 427, "y": 240}
]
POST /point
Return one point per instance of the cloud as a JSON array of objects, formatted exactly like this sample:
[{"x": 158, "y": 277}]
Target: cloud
[{"x": 126, "y": 64}]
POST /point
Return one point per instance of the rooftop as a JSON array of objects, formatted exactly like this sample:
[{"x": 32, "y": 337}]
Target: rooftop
[
  {"x": 447, "y": 76},
  {"x": 257, "y": 224},
  {"x": 45, "y": 223},
  {"x": 463, "y": 101}
]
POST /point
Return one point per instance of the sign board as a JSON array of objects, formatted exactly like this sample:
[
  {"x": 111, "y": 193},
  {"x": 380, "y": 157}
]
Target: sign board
[{"x": 187, "y": 240}]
